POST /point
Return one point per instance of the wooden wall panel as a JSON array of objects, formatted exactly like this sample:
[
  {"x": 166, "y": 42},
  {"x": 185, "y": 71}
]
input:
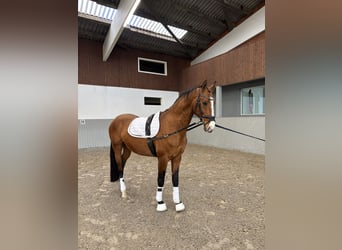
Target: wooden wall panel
[
  {"x": 244, "y": 63},
  {"x": 121, "y": 68}
]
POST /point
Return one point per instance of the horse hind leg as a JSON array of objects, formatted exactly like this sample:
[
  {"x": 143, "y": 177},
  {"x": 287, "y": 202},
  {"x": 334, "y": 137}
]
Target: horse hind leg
[
  {"x": 120, "y": 161},
  {"x": 125, "y": 155}
]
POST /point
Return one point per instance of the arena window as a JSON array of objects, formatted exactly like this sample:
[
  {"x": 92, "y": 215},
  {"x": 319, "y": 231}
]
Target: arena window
[
  {"x": 151, "y": 66},
  {"x": 253, "y": 101}
]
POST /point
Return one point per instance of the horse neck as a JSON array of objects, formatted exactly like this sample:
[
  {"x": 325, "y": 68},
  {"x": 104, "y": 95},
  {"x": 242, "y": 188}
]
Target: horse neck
[{"x": 182, "y": 109}]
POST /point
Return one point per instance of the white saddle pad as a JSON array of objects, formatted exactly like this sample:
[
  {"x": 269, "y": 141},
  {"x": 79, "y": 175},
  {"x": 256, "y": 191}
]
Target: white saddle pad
[{"x": 137, "y": 127}]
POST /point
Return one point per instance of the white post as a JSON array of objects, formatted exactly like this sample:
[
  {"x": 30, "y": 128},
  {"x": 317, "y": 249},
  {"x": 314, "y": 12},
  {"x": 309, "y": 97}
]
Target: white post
[{"x": 218, "y": 105}]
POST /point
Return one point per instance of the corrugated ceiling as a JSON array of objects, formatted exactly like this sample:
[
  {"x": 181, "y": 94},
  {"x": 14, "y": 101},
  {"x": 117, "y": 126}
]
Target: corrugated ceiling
[{"x": 196, "y": 23}]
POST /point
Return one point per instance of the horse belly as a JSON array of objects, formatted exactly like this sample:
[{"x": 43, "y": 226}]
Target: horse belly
[{"x": 137, "y": 145}]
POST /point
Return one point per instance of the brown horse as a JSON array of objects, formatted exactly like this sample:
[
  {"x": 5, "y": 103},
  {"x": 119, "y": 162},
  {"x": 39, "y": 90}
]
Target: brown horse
[{"x": 169, "y": 144}]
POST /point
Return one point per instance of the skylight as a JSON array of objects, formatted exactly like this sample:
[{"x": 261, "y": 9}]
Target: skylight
[
  {"x": 155, "y": 27},
  {"x": 91, "y": 8},
  {"x": 137, "y": 23}
]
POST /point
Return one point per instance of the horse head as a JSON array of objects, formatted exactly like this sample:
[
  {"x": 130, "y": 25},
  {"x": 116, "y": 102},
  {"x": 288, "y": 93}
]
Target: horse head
[{"x": 205, "y": 106}]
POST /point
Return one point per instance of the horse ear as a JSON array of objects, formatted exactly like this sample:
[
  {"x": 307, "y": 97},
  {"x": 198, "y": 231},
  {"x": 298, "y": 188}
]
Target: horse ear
[
  {"x": 212, "y": 86},
  {"x": 204, "y": 84}
]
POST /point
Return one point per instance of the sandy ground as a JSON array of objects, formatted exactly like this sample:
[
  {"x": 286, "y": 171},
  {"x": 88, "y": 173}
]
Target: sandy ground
[{"x": 223, "y": 192}]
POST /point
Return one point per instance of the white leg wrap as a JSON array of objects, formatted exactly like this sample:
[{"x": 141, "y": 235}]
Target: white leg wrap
[
  {"x": 175, "y": 193},
  {"x": 159, "y": 195},
  {"x": 123, "y": 188},
  {"x": 122, "y": 185},
  {"x": 161, "y": 207},
  {"x": 179, "y": 205}
]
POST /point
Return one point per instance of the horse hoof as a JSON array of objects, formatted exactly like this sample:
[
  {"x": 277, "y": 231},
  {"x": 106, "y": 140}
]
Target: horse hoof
[
  {"x": 161, "y": 207},
  {"x": 180, "y": 207},
  {"x": 123, "y": 194}
]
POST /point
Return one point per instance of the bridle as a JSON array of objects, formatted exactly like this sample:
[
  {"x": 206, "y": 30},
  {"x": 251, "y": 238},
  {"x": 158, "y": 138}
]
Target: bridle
[
  {"x": 194, "y": 124},
  {"x": 199, "y": 107}
]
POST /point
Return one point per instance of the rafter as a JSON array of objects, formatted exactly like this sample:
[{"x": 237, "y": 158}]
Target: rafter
[
  {"x": 154, "y": 13},
  {"x": 161, "y": 48},
  {"x": 233, "y": 9},
  {"x": 94, "y": 18},
  {"x": 109, "y": 3},
  {"x": 116, "y": 27},
  {"x": 205, "y": 35}
]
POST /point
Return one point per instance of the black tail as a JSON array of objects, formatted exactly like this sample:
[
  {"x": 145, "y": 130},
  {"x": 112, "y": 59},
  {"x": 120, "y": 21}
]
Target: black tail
[{"x": 114, "y": 171}]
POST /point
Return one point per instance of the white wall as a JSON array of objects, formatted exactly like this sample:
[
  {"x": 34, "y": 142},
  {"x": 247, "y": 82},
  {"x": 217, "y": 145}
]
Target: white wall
[
  {"x": 225, "y": 139},
  {"x": 98, "y": 105},
  {"x": 101, "y": 102}
]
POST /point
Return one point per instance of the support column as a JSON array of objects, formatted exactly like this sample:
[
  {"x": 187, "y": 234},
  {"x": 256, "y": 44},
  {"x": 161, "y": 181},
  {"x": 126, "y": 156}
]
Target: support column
[{"x": 218, "y": 105}]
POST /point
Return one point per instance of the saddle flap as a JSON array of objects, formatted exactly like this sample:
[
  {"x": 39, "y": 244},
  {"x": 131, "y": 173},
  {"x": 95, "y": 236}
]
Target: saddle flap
[{"x": 144, "y": 127}]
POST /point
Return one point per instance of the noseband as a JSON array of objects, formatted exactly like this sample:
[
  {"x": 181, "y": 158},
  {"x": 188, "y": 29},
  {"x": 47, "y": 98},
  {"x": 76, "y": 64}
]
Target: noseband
[{"x": 198, "y": 105}]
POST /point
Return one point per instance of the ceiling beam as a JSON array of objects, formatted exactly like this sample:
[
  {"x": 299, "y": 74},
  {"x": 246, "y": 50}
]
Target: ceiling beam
[
  {"x": 94, "y": 18},
  {"x": 230, "y": 22},
  {"x": 116, "y": 27},
  {"x": 238, "y": 11},
  {"x": 109, "y": 3},
  {"x": 206, "y": 35},
  {"x": 153, "y": 12},
  {"x": 125, "y": 43}
]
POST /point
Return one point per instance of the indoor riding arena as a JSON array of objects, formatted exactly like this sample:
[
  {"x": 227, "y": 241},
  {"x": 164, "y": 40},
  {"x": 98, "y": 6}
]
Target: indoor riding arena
[{"x": 190, "y": 174}]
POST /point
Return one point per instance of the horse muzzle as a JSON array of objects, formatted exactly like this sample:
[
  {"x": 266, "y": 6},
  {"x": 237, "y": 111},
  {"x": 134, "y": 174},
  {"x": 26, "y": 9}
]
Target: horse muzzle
[{"x": 209, "y": 127}]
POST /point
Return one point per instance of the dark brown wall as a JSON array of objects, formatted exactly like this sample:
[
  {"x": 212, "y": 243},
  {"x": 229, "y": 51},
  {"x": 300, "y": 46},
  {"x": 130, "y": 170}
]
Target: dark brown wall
[
  {"x": 121, "y": 68},
  {"x": 244, "y": 63}
]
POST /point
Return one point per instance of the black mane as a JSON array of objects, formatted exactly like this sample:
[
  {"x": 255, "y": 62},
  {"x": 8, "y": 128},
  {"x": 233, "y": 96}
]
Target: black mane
[{"x": 185, "y": 93}]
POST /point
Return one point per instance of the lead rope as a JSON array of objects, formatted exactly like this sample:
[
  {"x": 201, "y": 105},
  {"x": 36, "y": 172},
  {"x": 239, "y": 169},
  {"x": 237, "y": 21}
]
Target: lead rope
[{"x": 234, "y": 131}]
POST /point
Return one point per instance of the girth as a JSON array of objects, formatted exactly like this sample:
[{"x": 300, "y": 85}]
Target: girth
[
  {"x": 148, "y": 125},
  {"x": 150, "y": 142}
]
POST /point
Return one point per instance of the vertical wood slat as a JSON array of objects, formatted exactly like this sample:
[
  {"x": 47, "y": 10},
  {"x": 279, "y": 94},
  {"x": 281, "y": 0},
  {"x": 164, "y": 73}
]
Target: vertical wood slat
[
  {"x": 121, "y": 68},
  {"x": 244, "y": 63}
]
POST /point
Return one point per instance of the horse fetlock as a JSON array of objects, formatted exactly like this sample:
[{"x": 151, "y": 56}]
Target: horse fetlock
[{"x": 124, "y": 194}]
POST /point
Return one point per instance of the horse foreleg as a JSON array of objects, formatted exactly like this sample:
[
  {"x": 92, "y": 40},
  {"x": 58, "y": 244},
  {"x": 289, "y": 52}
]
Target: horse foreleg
[
  {"x": 175, "y": 163},
  {"x": 162, "y": 164}
]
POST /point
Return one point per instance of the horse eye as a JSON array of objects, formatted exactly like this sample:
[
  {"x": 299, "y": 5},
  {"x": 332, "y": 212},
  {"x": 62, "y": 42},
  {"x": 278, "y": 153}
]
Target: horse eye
[{"x": 205, "y": 103}]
